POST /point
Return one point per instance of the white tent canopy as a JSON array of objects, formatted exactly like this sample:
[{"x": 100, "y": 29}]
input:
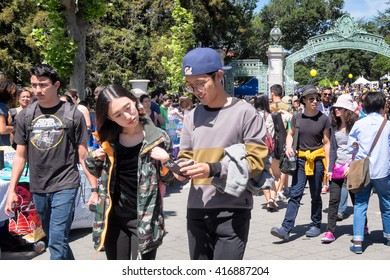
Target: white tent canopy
[
  {"x": 361, "y": 81},
  {"x": 386, "y": 77}
]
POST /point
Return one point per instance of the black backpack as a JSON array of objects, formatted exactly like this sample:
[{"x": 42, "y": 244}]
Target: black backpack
[{"x": 280, "y": 134}]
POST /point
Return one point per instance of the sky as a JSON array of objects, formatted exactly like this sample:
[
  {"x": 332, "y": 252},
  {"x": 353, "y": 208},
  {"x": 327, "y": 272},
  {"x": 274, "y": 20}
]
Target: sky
[{"x": 357, "y": 8}]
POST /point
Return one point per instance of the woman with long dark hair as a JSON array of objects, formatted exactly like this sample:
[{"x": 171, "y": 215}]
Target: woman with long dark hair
[
  {"x": 261, "y": 103},
  {"x": 7, "y": 91},
  {"x": 129, "y": 220},
  {"x": 343, "y": 118}
]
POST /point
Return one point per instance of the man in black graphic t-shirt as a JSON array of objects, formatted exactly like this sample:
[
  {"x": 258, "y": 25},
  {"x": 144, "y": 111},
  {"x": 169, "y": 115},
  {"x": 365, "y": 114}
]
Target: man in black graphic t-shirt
[{"x": 52, "y": 157}]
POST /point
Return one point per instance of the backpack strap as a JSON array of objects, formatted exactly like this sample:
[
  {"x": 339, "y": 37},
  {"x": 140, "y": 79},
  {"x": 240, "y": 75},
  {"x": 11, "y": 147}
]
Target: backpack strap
[
  {"x": 29, "y": 116},
  {"x": 377, "y": 136},
  {"x": 68, "y": 124},
  {"x": 296, "y": 133},
  {"x": 276, "y": 124}
]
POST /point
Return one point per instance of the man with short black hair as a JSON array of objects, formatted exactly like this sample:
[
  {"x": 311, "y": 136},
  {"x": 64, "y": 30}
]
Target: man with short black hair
[
  {"x": 360, "y": 140},
  {"x": 164, "y": 109},
  {"x": 276, "y": 95},
  {"x": 325, "y": 107},
  {"x": 51, "y": 148},
  {"x": 280, "y": 115},
  {"x": 155, "y": 98},
  {"x": 326, "y": 101}
]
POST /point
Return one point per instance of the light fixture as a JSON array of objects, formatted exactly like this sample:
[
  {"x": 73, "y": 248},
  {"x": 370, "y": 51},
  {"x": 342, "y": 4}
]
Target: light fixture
[{"x": 276, "y": 34}]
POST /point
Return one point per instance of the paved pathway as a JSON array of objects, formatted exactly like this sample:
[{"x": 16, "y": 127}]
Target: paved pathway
[{"x": 261, "y": 245}]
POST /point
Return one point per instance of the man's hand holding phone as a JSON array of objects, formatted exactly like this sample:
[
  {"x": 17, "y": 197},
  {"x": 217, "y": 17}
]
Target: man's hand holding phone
[{"x": 176, "y": 168}]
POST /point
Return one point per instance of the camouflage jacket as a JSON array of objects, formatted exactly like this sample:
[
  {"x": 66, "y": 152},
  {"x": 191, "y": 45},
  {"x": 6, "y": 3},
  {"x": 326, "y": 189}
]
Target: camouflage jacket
[{"x": 150, "y": 214}]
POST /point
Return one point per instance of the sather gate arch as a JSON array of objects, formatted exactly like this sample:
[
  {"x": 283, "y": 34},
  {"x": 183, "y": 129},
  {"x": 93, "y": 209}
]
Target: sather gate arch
[{"x": 345, "y": 34}]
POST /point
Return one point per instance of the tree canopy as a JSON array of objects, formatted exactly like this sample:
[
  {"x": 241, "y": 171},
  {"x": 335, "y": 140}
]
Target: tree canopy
[{"x": 101, "y": 42}]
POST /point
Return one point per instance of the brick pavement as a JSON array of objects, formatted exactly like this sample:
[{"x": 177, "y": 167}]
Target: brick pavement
[{"x": 261, "y": 245}]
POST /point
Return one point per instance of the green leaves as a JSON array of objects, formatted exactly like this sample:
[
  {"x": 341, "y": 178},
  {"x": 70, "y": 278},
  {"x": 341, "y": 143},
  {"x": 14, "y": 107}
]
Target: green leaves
[
  {"x": 176, "y": 45},
  {"x": 53, "y": 41}
]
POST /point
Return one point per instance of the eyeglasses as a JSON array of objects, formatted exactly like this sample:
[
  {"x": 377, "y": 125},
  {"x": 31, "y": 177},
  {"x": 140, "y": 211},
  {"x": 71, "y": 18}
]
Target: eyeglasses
[
  {"x": 200, "y": 87},
  {"x": 327, "y": 94},
  {"x": 312, "y": 99}
]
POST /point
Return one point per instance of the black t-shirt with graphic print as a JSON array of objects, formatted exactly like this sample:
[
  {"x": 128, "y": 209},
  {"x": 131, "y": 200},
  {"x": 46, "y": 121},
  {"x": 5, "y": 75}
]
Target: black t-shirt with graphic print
[{"x": 51, "y": 154}]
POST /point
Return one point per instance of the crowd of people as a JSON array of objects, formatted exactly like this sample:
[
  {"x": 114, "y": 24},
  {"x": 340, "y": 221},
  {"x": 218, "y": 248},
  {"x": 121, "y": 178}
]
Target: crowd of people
[{"x": 227, "y": 151}]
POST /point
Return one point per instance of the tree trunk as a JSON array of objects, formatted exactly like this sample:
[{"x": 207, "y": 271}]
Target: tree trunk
[{"x": 77, "y": 28}]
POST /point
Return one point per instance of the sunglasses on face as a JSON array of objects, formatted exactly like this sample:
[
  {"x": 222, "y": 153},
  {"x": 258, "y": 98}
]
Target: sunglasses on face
[
  {"x": 312, "y": 99},
  {"x": 327, "y": 94}
]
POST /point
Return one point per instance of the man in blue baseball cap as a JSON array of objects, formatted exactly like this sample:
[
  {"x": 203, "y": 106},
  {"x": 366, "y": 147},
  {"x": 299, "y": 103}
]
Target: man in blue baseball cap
[{"x": 219, "y": 203}]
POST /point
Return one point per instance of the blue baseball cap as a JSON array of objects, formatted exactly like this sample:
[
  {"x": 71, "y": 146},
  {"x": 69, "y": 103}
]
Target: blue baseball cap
[{"x": 202, "y": 61}]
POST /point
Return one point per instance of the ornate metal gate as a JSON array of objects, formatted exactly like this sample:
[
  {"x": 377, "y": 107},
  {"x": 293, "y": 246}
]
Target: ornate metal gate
[
  {"x": 345, "y": 34},
  {"x": 246, "y": 67}
]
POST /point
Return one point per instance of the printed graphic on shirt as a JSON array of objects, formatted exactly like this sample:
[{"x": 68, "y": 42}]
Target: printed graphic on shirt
[{"x": 47, "y": 132}]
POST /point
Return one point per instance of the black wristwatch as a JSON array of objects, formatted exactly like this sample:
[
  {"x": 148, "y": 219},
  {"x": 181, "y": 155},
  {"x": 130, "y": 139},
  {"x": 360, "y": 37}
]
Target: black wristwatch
[{"x": 94, "y": 190}]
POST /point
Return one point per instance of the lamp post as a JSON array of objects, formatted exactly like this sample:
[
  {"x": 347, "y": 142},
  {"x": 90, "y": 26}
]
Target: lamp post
[
  {"x": 275, "y": 55},
  {"x": 276, "y": 34}
]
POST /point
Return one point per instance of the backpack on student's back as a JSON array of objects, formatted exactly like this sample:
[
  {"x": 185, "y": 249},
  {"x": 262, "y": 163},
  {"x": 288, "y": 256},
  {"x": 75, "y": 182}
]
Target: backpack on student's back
[
  {"x": 67, "y": 121},
  {"x": 280, "y": 134}
]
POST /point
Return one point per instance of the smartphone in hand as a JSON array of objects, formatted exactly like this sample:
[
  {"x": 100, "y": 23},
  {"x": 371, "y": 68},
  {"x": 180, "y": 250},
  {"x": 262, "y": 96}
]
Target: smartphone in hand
[{"x": 175, "y": 168}]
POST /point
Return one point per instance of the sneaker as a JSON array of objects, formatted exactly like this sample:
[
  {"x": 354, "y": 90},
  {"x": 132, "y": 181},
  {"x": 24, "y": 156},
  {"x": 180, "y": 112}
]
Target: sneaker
[
  {"x": 366, "y": 231},
  {"x": 280, "y": 233},
  {"x": 357, "y": 249},
  {"x": 313, "y": 231},
  {"x": 340, "y": 217},
  {"x": 324, "y": 189},
  {"x": 280, "y": 197},
  {"x": 328, "y": 237}
]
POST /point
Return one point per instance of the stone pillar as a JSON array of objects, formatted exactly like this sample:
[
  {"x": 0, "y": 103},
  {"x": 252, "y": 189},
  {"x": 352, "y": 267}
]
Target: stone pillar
[
  {"x": 139, "y": 87},
  {"x": 275, "y": 66},
  {"x": 227, "y": 82}
]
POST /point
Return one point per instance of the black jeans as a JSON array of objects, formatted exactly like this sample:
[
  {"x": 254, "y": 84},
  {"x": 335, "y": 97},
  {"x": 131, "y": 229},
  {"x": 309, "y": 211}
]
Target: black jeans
[
  {"x": 121, "y": 242},
  {"x": 334, "y": 201},
  {"x": 218, "y": 238}
]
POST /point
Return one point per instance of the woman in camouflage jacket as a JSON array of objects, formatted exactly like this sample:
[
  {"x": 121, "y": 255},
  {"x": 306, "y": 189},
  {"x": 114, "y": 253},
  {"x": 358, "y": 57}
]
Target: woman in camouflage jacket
[{"x": 129, "y": 220}]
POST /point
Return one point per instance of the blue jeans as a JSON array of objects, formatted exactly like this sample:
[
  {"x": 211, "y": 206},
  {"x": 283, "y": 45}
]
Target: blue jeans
[
  {"x": 56, "y": 213},
  {"x": 299, "y": 181},
  {"x": 382, "y": 187}
]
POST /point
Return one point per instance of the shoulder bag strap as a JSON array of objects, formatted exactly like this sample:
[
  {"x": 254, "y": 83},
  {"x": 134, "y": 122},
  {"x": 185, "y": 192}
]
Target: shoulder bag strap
[
  {"x": 377, "y": 136},
  {"x": 295, "y": 137}
]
